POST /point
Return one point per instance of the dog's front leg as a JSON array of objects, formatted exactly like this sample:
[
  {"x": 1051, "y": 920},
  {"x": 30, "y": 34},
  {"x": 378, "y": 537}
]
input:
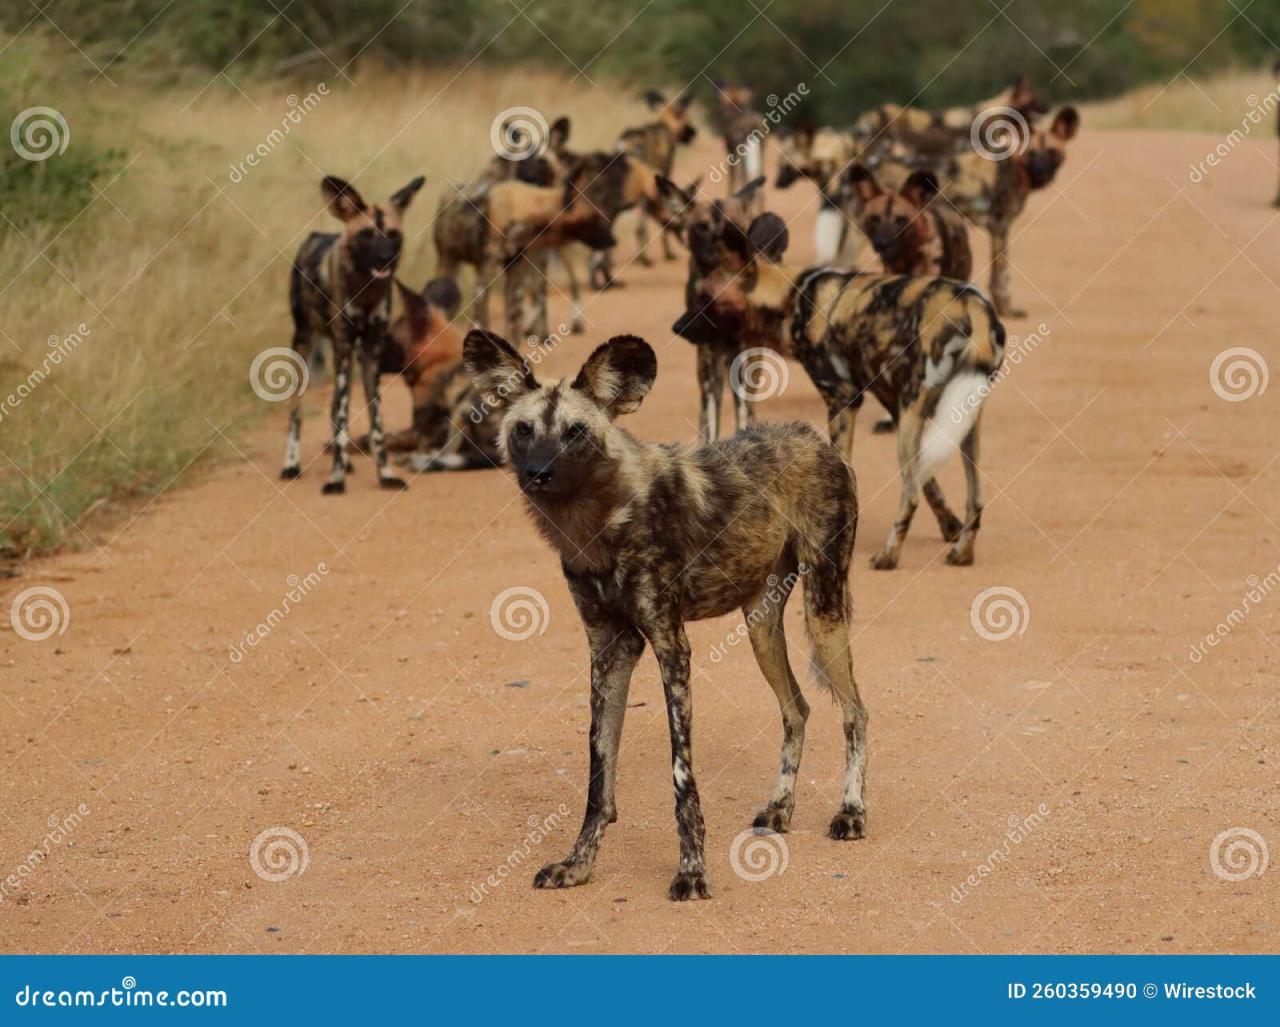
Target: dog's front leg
[
  {"x": 1000, "y": 289},
  {"x": 710, "y": 388},
  {"x": 671, "y": 646},
  {"x": 340, "y": 409},
  {"x": 370, "y": 370},
  {"x": 615, "y": 649}
]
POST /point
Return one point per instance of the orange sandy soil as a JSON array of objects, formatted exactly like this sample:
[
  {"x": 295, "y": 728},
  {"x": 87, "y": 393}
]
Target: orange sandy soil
[{"x": 382, "y": 719}]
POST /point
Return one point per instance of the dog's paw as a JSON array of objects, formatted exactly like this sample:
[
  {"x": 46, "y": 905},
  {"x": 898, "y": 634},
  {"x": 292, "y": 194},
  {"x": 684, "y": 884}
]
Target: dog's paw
[
  {"x": 390, "y": 481},
  {"x": 884, "y": 560},
  {"x": 689, "y": 884},
  {"x": 1012, "y": 312},
  {"x": 561, "y": 875},
  {"x": 848, "y": 825},
  {"x": 290, "y": 473},
  {"x": 773, "y": 819},
  {"x": 334, "y": 488},
  {"x": 951, "y": 527},
  {"x": 960, "y": 557},
  {"x": 884, "y": 426}
]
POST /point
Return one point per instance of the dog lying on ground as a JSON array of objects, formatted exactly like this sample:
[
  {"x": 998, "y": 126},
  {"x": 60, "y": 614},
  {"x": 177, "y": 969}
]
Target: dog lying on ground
[
  {"x": 340, "y": 288},
  {"x": 911, "y": 231},
  {"x": 992, "y": 193},
  {"x": 653, "y": 536},
  {"x": 925, "y": 347}
]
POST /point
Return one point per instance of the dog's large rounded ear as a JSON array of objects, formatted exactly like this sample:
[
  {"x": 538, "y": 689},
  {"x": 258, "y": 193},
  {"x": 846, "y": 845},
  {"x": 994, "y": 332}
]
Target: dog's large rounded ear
[
  {"x": 401, "y": 198},
  {"x": 681, "y": 103},
  {"x": 558, "y": 137},
  {"x": 655, "y": 99},
  {"x": 415, "y": 309},
  {"x": 768, "y": 236},
  {"x": 495, "y": 369},
  {"x": 443, "y": 293},
  {"x": 1065, "y": 123},
  {"x": 748, "y": 192},
  {"x": 920, "y": 187},
  {"x": 619, "y": 374},
  {"x": 730, "y": 233},
  {"x": 341, "y": 196},
  {"x": 859, "y": 180}
]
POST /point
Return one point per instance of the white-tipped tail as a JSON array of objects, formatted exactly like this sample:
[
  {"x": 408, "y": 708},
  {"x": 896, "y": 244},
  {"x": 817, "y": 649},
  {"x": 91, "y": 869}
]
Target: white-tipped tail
[
  {"x": 753, "y": 157},
  {"x": 828, "y": 235},
  {"x": 957, "y": 409}
]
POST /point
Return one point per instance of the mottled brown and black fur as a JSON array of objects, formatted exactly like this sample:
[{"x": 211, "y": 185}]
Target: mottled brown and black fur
[
  {"x": 744, "y": 131},
  {"x": 340, "y": 288},
  {"x": 653, "y": 536},
  {"x": 991, "y": 194},
  {"x": 924, "y": 347},
  {"x": 655, "y": 144},
  {"x": 912, "y": 232}
]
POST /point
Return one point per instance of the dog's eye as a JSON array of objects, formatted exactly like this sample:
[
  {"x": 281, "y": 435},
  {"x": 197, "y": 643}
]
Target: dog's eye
[
  {"x": 522, "y": 430},
  {"x": 576, "y": 432},
  {"x": 394, "y": 235},
  {"x": 365, "y": 234}
]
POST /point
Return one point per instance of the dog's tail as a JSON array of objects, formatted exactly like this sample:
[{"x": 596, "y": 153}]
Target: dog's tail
[
  {"x": 952, "y": 420},
  {"x": 753, "y": 157}
]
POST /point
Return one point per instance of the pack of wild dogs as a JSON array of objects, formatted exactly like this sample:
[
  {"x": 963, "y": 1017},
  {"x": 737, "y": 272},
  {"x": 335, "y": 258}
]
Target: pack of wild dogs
[{"x": 652, "y": 536}]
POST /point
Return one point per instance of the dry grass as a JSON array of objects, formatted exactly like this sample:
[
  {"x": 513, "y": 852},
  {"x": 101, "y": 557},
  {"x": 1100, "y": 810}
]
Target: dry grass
[
  {"x": 179, "y": 275},
  {"x": 1217, "y": 105}
]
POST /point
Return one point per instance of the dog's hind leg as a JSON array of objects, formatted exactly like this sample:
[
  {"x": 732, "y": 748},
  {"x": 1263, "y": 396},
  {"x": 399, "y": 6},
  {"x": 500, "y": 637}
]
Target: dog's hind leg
[
  {"x": 642, "y": 239},
  {"x": 961, "y": 554},
  {"x": 292, "y": 467},
  {"x": 615, "y": 649},
  {"x": 769, "y": 643},
  {"x": 910, "y": 429},
  {"x": 948, "y": 522},
  {"x": 826, "y": 615}
]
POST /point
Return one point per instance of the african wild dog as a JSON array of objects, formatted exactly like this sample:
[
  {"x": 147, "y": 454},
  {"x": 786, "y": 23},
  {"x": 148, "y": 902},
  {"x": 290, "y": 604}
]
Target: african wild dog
[
  {"x": 911, "y": 231},
  {"x": 821, "y": 155},
  {"x": 744, "y": 131},
  {"x": 937, "y": 133},
  {"x": 991, "y": 193},
  {"x": 340, "y": 287},
  {"x": 716, "y": 354},
  {"x": 507, "y": 228},
  {"x": 925, "y": 347},
  {"x": 655, "y": 144},
  {"x": 653, "y": 536}
]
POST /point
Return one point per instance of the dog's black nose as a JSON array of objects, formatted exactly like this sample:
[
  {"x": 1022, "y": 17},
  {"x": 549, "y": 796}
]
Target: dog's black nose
[{"x": 538, "y": 473}]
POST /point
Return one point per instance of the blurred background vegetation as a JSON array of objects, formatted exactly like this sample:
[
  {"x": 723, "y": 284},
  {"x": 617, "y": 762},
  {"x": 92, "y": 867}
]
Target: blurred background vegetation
[{"x": 852, "y": 53}]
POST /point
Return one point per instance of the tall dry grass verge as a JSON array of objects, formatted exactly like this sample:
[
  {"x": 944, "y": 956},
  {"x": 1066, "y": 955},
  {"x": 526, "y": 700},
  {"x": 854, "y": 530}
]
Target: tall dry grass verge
[
  {"x": 173, "y": 275},
  {"x": 1219, "y": 104}
]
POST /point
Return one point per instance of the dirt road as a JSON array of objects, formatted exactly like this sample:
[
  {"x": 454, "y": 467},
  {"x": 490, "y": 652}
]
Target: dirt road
[{"x": 1057, "y": 790}]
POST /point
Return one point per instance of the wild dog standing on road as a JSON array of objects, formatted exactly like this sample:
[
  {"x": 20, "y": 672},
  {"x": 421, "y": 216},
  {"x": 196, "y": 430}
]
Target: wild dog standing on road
[
  {"x": 938, "y": 133},
  {"x": 655, "y": 143},
  {"x": 992, "y": 192},
  {"x": 925, "y": 347},
  {"x": 744, "y": 131},
  {"x": 911, "y": 231},
  {"x": 653, "y": 536},
  {"x": 340, "y": 287},
  {"x": 821, "y": 156}
]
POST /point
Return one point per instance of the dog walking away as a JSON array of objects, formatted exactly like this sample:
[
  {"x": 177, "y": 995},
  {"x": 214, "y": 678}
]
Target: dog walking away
[
  {"x": 653, "y": 536},
  {"x": 912, "y": 232},
  {"x": 925, "y": 347},
  {"x": 821, "y": 155},
  {"x": 744, "y": 130},
  {"x": 340, "y": 287},
  {"x": 655, "y": 144}
]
